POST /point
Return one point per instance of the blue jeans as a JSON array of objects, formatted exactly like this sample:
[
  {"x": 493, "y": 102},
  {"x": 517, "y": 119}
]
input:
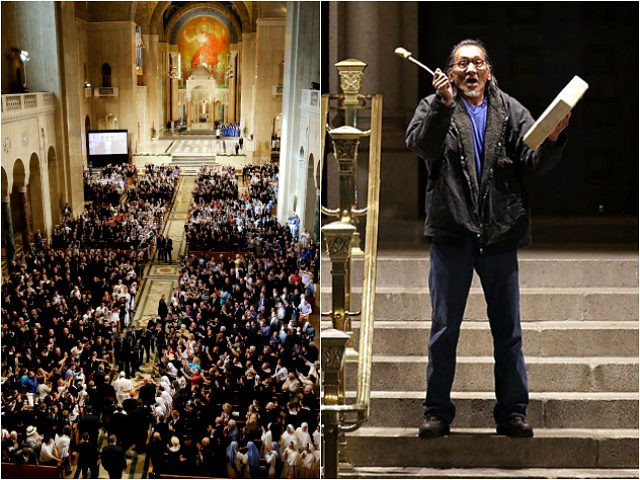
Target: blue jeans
[{"x": 452, "y": 265}]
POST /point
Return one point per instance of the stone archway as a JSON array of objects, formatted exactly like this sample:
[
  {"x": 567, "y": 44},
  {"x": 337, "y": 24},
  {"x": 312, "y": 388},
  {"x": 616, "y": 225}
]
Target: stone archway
[
  {"x": 202, "y": 116},
  {"x": 7, "y": 223},
  {"x": 18, "y": 201},
  {"x": 35, "y": 195}
]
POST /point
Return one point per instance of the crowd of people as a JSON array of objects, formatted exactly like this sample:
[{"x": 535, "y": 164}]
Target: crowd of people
[
  {"x": 133, "y": 224},
  {"x": 240, "y": 350},
  {"x": 240, "y": 364},
  {"x": 230, "y": 130},
  {"x": 234, "y": 390},
  {"x": 108, "y": 185},
  {"x": 156, "y": 185},
  {"x": 64, "y": 314},
  {"x": 262, "y": 181},
  {"x": 215, "y": 183},
  {"x": 222, "y": 221}
]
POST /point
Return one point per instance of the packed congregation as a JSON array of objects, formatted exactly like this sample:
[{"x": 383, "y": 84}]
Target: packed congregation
[{"x": 222, "y": 382}]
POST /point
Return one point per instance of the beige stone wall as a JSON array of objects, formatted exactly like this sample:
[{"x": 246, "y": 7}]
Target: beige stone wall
[
  {"x": 85, "y": 102},
  {"x": 28, "y": 135},
  {"x": 247, "y": 81},
  {"x": 70, "y": 123},
  {"x": 113, "y": 43},
  {"x": 152, "y": 82},
  {"x": 300, "y": 145},
  {"x": 270, "y": 42},
  {"x": 30, "y": 26},
  {"x": 45, "y": 29}
]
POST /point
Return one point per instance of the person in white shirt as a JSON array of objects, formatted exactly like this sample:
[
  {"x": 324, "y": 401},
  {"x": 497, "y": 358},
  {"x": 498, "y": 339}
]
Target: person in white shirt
[
  {"x": 302, "y": 433},
  {"x": 289, "y": 437},
  {"x": 61, "y": 446},
  {"x": 122, "y": 387},
  {"x": 305, "y": 310},
  {"x": 47, "y": 454},
  {"x": 290, "y": 459}
]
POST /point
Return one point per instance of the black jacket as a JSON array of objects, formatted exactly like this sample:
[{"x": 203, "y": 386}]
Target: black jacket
[{"x": 494, "y": 209}]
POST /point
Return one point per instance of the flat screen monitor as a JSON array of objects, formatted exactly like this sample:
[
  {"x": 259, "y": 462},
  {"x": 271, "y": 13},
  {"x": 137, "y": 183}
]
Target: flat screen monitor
[{"x": 108, "y": 147}]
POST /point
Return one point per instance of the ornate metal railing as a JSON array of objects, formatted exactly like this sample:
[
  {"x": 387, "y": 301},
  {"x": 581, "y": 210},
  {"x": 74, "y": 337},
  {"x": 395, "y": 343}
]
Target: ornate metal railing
[{"x": 342, "y": 243}]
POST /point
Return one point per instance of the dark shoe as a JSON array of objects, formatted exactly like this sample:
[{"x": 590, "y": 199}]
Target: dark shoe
[
  {"x": 433, "y": 427},
  {"x": 515, "y": 427}
]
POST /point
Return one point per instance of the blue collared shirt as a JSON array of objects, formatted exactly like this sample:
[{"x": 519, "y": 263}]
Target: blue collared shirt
[{"x": 478, "y": 117}]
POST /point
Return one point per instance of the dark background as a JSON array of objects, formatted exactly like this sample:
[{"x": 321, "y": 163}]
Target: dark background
[{"x": 536, "y": 49}]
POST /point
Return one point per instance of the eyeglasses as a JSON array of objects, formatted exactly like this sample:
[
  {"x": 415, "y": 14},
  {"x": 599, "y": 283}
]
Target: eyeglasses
[{"x": 463, "y": 63}]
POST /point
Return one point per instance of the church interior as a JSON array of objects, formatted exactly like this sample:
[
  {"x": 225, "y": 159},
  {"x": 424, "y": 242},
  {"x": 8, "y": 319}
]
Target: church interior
[
  {"x": 170, "y": 74},
  {"x": 160, "y": 196}
]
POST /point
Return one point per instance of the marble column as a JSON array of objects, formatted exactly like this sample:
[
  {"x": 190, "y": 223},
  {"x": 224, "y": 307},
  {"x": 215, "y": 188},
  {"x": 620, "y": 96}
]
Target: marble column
[
  {"x": 398, "y": 81},
  {"x": 151, "y": 76},
  {"x": 247, "y": 76},
  {"x": 231, "y": 107},
  {"x": 189, "y": 113},
  {"x": 301, "y": 67},
  {"x": 7, "y": 229}
]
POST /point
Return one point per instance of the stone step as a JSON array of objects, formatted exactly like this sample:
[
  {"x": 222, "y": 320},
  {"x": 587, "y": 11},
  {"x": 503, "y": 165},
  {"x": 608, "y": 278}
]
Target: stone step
[
  {"x": 468, "y": 473},
  {"x": 549, "y": 267},
  {"x": 481, "y": 448},
  {"x": 556, "y": 339},
  {"x": 475, "y": 374},
  {"x": 202, "y": 158},
  {"x": 587, "y": 229},
  {"x": 574, "y": 230},
  {"x": 546, "y": 410},
  {"x": 536, "y": 304}
]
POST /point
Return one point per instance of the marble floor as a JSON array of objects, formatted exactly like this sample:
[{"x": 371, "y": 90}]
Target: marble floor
[{"x": 161, "y": 277}]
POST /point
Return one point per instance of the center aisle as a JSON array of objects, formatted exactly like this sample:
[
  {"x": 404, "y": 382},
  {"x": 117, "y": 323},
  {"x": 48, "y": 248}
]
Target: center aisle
[
  {"x": 161, "y": 276},
  {"x": 159, "y": 279}
]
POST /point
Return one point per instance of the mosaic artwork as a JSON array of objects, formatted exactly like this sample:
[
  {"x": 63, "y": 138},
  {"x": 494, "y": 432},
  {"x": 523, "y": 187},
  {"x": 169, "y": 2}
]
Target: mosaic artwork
[{"x": 204, "y": 41}]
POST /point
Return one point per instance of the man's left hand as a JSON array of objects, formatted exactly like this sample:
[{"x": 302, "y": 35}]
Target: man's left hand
[{"x": 553, "y": 136}]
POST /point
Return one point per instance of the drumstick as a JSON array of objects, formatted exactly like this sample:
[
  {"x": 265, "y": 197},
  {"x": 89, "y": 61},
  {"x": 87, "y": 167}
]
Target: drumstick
[{"x": 404, "y": 53}]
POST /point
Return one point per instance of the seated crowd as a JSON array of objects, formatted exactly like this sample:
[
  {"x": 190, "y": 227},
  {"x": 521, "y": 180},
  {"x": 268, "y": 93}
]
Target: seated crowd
[
  {"x": 132, "y": 225},
  {"x": 235, "y": 384},
  {"x": 262, "y": 181},
  {"x": 104, "y": 188},
  {"x": 215, "y": 182},
  {"x": 157, "y": 184},
  {"x": 219, "y": 222},
  {"x": 61, "y": 314}
]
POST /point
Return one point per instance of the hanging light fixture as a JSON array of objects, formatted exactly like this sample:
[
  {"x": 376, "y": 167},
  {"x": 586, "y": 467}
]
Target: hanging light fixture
[{"x": 24, "y": 57}]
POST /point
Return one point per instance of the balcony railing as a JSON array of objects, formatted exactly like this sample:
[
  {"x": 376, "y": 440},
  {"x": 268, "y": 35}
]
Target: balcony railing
[{"x": 21, "y": 105}]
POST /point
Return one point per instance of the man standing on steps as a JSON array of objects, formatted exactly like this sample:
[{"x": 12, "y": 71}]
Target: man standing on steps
[{"x": 470, "y": 136}]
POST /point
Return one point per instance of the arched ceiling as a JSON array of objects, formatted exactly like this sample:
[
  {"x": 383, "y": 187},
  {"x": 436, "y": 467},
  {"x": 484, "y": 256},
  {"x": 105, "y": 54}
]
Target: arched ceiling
[
  {"x": 154, "y": 17},
  {"x": 194, "y": 9}
]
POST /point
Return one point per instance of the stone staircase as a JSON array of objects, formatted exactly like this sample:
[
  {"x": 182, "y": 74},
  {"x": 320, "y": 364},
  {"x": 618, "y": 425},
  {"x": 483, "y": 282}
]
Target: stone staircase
[
  {"x": 579, "y": 308},
  {"x": 190, "y": 165}
]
